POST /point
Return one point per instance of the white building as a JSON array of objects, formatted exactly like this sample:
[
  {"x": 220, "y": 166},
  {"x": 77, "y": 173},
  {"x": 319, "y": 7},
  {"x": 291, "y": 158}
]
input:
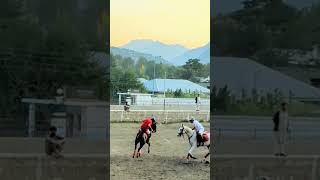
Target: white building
[{"x": 73, "y": 117}]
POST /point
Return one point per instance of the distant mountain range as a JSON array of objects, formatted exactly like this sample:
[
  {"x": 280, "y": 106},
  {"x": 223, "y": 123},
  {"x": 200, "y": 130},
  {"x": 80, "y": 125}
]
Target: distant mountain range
[
  {"x": 219, "y": 6},
  {"x": 127, "y": 53},
  {"x": 202, "y": 53},
  {"x": 164, "y": 53}
]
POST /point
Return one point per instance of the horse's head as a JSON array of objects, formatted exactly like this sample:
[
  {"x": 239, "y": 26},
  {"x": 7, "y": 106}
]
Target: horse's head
[
  {"x": 181, "y": 130},
  {"x": 154, "y": 126},
  {"x": 154, "y": 123}
]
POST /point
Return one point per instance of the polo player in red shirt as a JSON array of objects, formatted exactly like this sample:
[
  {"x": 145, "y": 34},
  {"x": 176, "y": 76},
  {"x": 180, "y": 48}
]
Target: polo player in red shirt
[{"x": 146, "y": 126}]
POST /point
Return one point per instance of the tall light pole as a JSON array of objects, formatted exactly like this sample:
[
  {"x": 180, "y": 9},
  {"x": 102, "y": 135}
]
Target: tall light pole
[
  {"x": 164, "y": 93},
  {"x": 154, "y": 75},
  {"x": 154, "y": 72}
]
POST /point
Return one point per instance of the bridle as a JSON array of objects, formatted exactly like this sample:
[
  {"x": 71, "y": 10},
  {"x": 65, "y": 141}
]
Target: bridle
[
  {"x": 189, "y": 137},
  {"x": 182, "y": 132}
]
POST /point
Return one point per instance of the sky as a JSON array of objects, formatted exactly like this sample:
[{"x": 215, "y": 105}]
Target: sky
[{"x": 184, "y": 22}]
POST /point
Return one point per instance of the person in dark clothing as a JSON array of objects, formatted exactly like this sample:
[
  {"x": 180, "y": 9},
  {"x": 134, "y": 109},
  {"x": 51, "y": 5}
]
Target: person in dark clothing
[
  {"x": 53, "y": 143},
  {"x": 127, "y": 107},
  {"x": 197, "y": 101}
]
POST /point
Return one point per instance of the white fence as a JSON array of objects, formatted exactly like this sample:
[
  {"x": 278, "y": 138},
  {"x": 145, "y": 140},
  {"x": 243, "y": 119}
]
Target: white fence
[
  {"x": 180, "y": 101},
  {"x": 163, "y": 116},
  {"x": 170, "y": 101}
]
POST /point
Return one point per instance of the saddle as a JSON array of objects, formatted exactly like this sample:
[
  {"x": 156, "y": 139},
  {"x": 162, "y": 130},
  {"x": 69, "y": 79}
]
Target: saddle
[
  {"x": 205, "y": 137},
  {"x": 143, "y": 134}
]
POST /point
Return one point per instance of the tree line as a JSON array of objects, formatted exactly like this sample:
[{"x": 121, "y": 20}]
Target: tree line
[
  {"x": 263, "y": 25},
  {"x": 223, "y": 102}
]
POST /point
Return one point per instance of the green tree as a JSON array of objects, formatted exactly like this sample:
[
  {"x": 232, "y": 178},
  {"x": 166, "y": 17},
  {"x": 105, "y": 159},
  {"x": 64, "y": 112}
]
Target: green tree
[
  {"x": 221, "y": 99},
  {"x": 192, "y": 69}
]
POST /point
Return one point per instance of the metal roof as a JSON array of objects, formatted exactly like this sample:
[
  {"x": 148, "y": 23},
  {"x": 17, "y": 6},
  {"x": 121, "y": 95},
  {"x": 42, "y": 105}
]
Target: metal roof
[{"x": 159, "y": 85}]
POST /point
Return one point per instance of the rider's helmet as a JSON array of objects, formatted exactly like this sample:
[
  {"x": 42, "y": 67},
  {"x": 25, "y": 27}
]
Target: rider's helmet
[{"x": 191, "y": 120}]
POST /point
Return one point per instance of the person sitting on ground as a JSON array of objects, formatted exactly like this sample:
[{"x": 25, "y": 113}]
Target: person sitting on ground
[
  {"x": 54, "y": 143},
  {"x": 198, "y": 127},
  {"x": 127, "y": 107}
]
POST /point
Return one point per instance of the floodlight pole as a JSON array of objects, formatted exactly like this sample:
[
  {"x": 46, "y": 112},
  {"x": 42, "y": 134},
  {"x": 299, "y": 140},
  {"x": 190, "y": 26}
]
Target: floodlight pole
[{"x": 154, "y": 78}]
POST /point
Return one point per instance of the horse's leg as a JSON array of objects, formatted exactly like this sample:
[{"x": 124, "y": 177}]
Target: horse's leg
[
  {"x": 135, "y": 147},
  {"x": 208, "y": 152},
  {"x": 205, "y": 157},
  {"x": 139, "y": 149},
  {"x": 136, "y": 143},
  {"x": 142, "y": 142},
  {"x": 148, "y": 142},
  {"x": 194, "y": 144}
]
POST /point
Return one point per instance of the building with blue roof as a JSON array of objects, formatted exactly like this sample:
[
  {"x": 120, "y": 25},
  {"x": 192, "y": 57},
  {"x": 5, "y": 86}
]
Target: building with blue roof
[{"x": 161, "y": 85}]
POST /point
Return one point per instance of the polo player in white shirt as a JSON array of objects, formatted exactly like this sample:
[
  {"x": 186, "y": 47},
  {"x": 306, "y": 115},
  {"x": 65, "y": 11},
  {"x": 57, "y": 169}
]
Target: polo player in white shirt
[{"x": 198, "y": 127}]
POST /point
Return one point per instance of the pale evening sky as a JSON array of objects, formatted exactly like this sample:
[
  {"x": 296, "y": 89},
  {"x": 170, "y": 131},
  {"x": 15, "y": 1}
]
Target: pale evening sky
[{"x": 185, "y": 22}]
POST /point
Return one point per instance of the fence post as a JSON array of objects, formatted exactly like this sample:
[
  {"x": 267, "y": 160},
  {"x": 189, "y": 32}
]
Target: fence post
[
  {"x": 39, "y": 168},
  {"x": 251, "y": 172},
  {"x": 31, "y": 120},
  {"x": 166, "y": 113},
  {"x": 121, "y": 117},
  {"x": 314, "y": 169}
]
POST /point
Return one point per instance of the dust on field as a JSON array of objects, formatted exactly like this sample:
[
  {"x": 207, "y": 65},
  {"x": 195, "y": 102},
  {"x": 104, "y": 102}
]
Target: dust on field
[{"x": 166, "y": 159}]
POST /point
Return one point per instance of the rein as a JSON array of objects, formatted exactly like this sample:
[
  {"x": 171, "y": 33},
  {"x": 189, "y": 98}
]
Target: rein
[{"x": 189, "y": 137}]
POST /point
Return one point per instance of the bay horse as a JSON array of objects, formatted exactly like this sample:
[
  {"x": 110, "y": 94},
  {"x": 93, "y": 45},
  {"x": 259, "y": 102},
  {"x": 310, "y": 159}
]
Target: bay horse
[
  {"x": 142, "y": 139},
  {"x": 192, "y": 138}
]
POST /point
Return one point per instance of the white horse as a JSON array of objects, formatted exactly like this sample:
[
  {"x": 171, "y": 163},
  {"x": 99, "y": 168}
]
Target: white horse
[{"x": 192, "y": 138}]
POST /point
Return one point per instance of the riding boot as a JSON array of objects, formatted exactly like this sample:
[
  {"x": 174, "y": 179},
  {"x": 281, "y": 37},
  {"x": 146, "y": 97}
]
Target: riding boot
[
  {"x": 148, "y": 139},
  {"x": 198, "y": 140}
]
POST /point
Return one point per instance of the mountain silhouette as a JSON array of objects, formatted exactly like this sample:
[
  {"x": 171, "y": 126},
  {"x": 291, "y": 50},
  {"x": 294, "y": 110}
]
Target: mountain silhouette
[{"x": 156, "y": 48}]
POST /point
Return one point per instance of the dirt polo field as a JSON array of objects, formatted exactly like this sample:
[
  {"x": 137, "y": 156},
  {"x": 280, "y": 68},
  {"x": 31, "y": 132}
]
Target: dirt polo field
[{"x": 165, "y": 161}]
